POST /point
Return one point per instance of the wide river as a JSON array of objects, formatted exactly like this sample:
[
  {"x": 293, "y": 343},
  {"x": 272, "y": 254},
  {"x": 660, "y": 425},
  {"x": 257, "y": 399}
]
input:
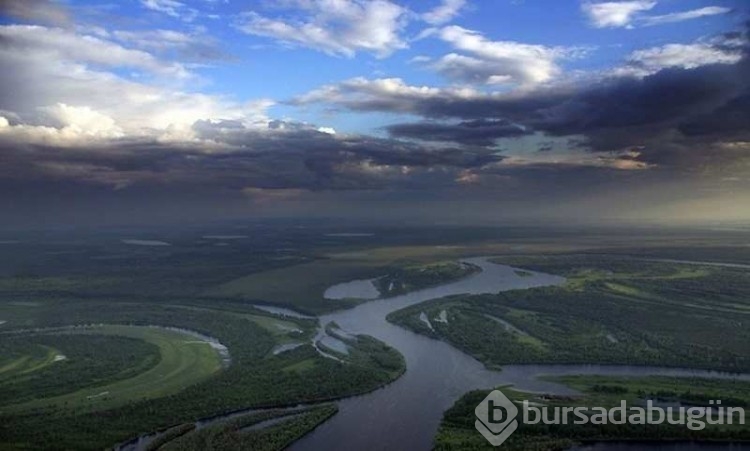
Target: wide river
[{"x": 405, "y": 414}]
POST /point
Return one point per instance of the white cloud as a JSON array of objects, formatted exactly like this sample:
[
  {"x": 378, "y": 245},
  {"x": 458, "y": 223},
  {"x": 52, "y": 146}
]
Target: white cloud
[
  {"x": 172, "y": 8},
  {"x": 195, "y": 46},
  {"x": 623, "y": 160},
  {"x": 443, "y": 13},
  {"x": 686, "y": 56},
  {"x": 389, "y": 94},
  {"x": 71, "y": 125},
  {"x": 155, "y": 39},
  {"x": 496, "y": 62},
  {"x": 62, "y": 86},
  {"x": 615, "y": 14},
  {"x": 686, "y": 15},
  {"x": 59, "y": 45},
  {"x": 420, "y": 59},
  {"x": 336, "y": 27},
  {"x": 83, "y": 120},
  {"x": 629, "y": 14},
  {"x": 327, "y": 130}
]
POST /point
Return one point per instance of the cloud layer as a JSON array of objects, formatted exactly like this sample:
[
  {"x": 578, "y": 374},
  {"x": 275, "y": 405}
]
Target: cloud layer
[
  {"x": 632, "y": 13},
  {"x": 341, "y": 27},
  {"x": 656, "y": 101},
  {"x": 496, "y": 62},
  {"x": 129, "y": 113}
]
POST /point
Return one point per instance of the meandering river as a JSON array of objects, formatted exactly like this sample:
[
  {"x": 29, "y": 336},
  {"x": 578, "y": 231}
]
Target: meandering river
[{"x": 406, "y": 414}]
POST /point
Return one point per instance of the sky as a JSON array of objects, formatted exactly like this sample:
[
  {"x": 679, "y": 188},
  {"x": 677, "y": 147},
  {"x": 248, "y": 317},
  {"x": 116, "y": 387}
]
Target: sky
[{"x": 441, "y": 111}]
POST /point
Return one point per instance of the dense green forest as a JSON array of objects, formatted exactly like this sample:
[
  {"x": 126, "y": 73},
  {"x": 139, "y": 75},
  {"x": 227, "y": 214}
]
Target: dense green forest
[{"x": 612, "y": 310}]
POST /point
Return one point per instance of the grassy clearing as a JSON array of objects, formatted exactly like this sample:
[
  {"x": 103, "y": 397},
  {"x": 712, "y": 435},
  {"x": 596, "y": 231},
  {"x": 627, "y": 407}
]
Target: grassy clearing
[
  {"x": 47, "y": 365},
  {"x": 40, "y": 357},
  {"x": 625, "y": 289},
  {"x": 301, "y": 366},
  {"x": 282, "y": 330},
  {"x": 184, "y": 361},
  {"x": 302, "y": 286},
  {"x": 583, "y": 270}
]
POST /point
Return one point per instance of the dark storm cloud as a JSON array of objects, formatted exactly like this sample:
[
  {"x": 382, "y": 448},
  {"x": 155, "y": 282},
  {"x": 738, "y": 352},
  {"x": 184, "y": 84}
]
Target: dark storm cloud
[
  {"x": 382, "y": 96},
  {"x": 606, "y": 112},
  {"x": 480, "y": 132},
  {"x": 303, "y": 140},
  {"x": 667, "y": 97},
  {"x": 231, "y": 156},
  {"x": 670, "y": 113},
  {"x": 731, "y": 120}
]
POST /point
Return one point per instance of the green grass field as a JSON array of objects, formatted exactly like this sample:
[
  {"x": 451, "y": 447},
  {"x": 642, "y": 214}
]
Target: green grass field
[
  {"x": 41, "y": 366},
  {"x": 302, "y": 286},
  {"x": 283, "y": 330},
  {"x": 184, "y": 361},
  {"x": 38, "y": 358}
]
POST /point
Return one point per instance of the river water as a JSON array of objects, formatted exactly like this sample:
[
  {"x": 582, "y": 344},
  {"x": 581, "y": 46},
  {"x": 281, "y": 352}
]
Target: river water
[{"x": 405, "y": 414}]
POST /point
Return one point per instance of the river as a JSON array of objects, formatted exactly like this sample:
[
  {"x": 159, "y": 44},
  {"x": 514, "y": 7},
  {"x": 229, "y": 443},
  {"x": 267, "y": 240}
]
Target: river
[{"x": 405, "y": 414}]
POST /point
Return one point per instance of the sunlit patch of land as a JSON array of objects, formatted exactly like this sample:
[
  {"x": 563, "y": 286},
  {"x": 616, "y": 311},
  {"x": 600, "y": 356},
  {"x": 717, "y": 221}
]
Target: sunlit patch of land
[{"x": 183, "y": 361}]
